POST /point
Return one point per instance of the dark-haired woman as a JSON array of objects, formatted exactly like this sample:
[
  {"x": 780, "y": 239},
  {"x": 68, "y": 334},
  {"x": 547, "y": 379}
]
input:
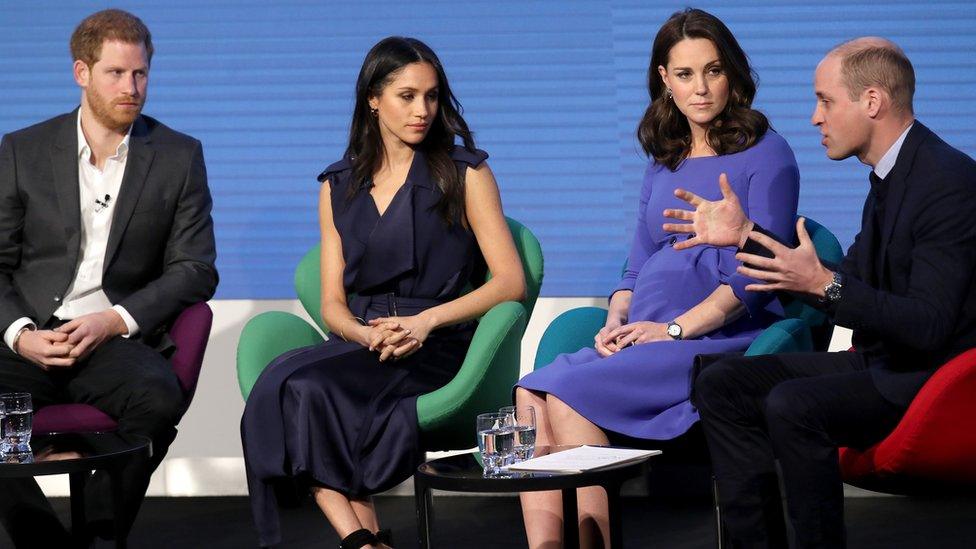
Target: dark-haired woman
[
  {"x": 408, "y": 219},
  {"x": 672, "y": 304}
]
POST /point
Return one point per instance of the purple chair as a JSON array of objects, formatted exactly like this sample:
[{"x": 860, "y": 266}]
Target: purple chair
[{"x": 190, "y": 333}]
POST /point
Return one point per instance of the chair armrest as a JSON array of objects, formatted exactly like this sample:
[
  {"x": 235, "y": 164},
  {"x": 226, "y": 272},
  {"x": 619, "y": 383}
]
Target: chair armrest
[
  {"x": 484, "y": 382},
  {"x": 934, "y": 439},
  {"x": 569, "y": 332},
  {"x": 190, "y": 333},
  {"x": 789, "y": 335},
  {"x": 266, "y": 336}
]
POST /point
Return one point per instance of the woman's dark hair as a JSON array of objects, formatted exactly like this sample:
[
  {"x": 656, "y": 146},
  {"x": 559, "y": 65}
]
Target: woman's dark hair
[
  {"x": 664, "y": 132},
  {"x": 382, "y": 64}
]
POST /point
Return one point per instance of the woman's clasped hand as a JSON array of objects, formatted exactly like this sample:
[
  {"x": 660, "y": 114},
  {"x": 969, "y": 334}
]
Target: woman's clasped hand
[
  {"x": 610, "y": 341},
  {"x": 396, "y": 337}
]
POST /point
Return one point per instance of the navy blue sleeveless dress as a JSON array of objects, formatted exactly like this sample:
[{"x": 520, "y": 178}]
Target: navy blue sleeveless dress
[{"x": 333, "y": 414}]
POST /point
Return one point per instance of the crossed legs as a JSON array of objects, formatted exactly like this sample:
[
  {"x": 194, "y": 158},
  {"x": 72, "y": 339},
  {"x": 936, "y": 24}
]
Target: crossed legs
[
  {"x": 795, "y": 408},
  {"x": 558, "y": 424}
]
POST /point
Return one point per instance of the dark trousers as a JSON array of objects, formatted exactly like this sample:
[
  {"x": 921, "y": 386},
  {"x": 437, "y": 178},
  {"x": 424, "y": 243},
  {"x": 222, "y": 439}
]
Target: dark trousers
[
  {"x": 795, "y": 408},
  {"x": 127, "y": 380}
]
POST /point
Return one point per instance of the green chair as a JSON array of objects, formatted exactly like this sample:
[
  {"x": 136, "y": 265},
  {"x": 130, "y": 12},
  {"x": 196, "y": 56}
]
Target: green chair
[
  {"x": 804, "y": 328},
  {"x": 446, "y": 416}
]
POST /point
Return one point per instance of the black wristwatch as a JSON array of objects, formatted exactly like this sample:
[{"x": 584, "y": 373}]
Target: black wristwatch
[
  {"x": 674, "y": 330},
  {"x": 832, "y": 290}
]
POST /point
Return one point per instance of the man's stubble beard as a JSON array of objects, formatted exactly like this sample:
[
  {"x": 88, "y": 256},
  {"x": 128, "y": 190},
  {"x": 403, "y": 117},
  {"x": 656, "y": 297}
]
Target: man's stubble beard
[{"x": 103, "y": 112}]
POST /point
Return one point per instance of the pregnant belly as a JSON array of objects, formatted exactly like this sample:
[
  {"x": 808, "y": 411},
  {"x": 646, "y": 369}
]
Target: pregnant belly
[{"x": 671, "y": 282}]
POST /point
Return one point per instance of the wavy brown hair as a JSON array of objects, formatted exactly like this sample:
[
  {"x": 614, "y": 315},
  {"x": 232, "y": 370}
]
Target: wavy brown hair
[
  {"x": 94, "y": 30},
  {"x": 382, "y": 64},
  {"x": 664, "y": 132}
]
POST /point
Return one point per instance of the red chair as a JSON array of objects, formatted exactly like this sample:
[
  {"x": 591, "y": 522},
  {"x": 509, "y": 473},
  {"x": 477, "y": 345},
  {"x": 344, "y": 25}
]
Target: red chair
[
  {"x": 190, "y": 333},
  {"x": 933, "y": 448}
]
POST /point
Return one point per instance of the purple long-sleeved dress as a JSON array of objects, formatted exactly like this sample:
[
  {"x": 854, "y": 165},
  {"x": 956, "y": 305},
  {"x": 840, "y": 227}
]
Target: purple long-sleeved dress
[{"x": 642, "y": 391}]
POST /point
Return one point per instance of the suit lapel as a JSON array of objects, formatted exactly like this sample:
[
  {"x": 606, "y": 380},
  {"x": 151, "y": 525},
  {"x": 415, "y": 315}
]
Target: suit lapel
[
  {"x": 64, "y": 166},
  {"x": 137, "y": 166},
  {"x": 897, "y": 181}
]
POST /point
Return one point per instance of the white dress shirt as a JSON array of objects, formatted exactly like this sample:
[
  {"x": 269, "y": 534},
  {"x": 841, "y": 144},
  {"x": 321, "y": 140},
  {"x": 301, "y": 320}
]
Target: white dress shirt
[
  {"x": 99, "y": 192},
  {"x": 887, "y": 162}
]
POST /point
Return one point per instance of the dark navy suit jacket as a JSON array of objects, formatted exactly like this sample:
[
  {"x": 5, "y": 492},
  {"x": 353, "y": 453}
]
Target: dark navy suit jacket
[{"x": 909, "y": 289}]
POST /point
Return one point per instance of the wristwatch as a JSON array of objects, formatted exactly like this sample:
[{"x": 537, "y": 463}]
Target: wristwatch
[
  {"x": 674, "y": 330},
  {"x": 832, "y": 290}
]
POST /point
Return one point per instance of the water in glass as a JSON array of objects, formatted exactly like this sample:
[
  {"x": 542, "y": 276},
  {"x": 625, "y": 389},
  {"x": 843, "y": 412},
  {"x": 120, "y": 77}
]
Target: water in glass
[
  {"x": 523, "y": 425},
  {"x": 496, "y": 440},
  {"x": 15, "y": 424}
]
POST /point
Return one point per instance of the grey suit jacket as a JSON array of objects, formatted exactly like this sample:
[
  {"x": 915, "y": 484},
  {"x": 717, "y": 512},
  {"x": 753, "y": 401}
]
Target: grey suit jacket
[{"x": 161, "y": 251}]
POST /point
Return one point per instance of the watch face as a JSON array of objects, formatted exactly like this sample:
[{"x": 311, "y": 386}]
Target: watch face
[
  {"x": 832, "y": 291},
  {"x": 674, "y": 330}
]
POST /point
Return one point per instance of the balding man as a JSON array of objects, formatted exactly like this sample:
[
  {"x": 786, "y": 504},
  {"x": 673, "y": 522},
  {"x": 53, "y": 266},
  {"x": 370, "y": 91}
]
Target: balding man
[{"x": 905, "y": 287}]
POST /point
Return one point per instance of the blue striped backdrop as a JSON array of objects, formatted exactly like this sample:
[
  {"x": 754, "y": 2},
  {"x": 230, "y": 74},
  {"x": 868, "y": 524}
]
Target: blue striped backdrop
[{"x": 553, "y": 91}]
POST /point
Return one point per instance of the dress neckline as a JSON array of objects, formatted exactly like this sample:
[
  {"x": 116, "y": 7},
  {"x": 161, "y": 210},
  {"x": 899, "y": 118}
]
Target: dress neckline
[{"x": 408, "y": 180}]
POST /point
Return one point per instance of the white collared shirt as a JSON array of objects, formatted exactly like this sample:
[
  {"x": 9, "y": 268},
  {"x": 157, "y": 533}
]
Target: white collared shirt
[
  {"x": 887, "y": 162},
  {"x": 98, "y": 193}
]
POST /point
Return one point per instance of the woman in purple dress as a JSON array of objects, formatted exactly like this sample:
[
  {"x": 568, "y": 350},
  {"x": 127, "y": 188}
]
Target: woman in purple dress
[
  {"x": 672, "y": 303},
  {"x": 408, "y": 221}
]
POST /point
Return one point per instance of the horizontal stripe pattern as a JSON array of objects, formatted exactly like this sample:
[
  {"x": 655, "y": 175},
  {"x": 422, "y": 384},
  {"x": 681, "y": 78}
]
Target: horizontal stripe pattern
[{"x": 553, "y": 90}]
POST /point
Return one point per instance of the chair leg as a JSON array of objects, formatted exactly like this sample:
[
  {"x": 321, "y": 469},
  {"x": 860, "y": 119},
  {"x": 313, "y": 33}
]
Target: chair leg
[
  {"x": 78, "y": 523},
  {"x": 424, "y": 509},
  {"x": 721, "y": 533}
]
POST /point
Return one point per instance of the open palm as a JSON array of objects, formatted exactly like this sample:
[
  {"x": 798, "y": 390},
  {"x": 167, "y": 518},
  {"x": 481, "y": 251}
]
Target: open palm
[{"x": 713, "y": 222}]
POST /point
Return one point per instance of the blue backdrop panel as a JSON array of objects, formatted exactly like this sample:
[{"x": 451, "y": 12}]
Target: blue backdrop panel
[{"x": 553, "y": 91}]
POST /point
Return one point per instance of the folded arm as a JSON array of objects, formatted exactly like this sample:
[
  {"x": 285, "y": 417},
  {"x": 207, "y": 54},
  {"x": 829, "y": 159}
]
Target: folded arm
[{"x": 189, "y": 274}]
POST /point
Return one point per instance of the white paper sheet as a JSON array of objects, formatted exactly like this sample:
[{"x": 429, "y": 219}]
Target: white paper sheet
[{"x": 584, "y": 458}]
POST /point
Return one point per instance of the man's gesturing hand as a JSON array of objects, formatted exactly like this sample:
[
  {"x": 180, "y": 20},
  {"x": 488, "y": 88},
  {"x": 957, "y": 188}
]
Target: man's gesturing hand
[
  {"x": 45, "y": 348},
  {"x": 87, "y": 332},
  {"x": 790, "y": 269},
  {"x": 717, "y": 223}
]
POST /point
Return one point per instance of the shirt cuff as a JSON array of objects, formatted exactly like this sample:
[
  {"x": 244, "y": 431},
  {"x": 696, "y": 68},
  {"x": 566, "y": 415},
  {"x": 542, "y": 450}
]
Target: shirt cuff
[
  {"x": 130, "y": 322},
  {"x": 755, "y": 248},
  {"x": 11, "y": 333}
]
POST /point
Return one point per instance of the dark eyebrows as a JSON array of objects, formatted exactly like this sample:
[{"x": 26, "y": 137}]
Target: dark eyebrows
[
  {"x": 707, "y": 65},
  {"x": 414, "y": 90},
  {"x": 112, "y": 68}
]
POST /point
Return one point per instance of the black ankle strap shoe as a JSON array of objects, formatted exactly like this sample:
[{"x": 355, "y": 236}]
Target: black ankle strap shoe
[
  {"x": 385, "y": 536},
  {"x": 357, "y": 539}
]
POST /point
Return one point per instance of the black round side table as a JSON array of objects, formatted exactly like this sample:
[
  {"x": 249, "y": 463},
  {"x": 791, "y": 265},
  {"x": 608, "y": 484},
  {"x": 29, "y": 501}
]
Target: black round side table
[
  {"x": 463, "y": 473},
  {"x": 77, "y": 455}
]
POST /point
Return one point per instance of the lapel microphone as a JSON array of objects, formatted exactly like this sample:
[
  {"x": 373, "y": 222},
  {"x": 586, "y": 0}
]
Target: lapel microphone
[{"x": 102, "y": 204}]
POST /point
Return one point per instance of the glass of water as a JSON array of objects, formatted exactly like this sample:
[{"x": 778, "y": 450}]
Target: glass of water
[
  {"x": 15, "y": 424},
  {"x": 496, "y": 439},
  {"x": 523, "y": 424}
]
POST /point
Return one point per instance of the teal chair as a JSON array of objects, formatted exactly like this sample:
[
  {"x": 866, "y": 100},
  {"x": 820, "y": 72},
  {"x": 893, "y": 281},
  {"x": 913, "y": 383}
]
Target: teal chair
[
  {"x": 804, "y": 328},
  {"x": 446, "y": 416}
]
